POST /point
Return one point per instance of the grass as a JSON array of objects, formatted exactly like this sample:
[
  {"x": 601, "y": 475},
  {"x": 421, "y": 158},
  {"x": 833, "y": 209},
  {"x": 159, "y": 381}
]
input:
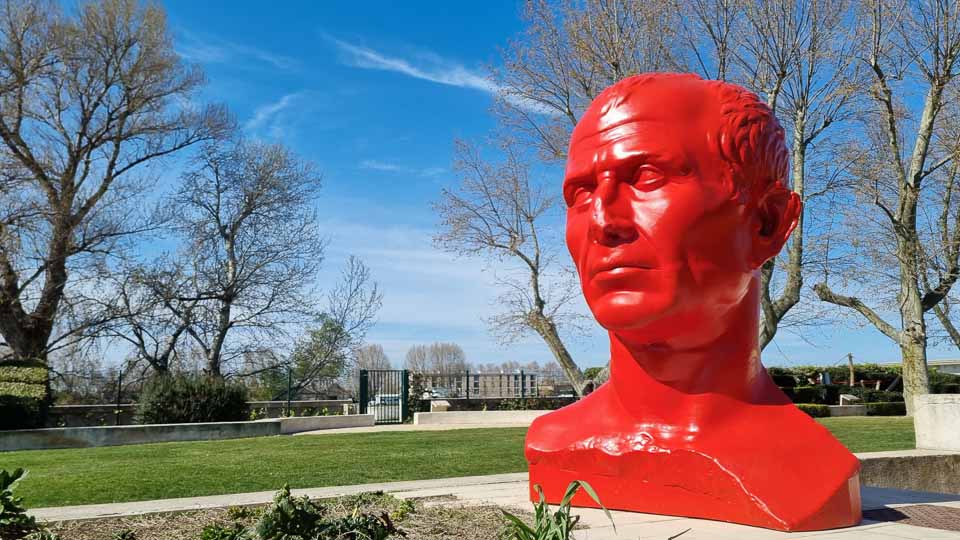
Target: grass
[{"x": 168, "y": 470}]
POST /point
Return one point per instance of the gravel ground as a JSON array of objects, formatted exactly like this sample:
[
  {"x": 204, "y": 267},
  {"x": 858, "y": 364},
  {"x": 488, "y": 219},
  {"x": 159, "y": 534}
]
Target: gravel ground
[{"x": 419, "y": 519}]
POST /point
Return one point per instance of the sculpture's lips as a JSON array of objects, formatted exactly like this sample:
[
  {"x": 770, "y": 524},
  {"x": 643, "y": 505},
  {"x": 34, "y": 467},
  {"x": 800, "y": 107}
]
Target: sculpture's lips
[{"x": 616, "y": 268}]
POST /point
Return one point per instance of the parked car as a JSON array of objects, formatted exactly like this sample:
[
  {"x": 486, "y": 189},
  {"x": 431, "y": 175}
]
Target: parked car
[{"x": 386, "y": 407}]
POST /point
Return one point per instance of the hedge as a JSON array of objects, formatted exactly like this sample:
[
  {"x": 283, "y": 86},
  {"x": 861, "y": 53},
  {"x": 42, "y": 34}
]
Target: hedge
[
  {"x": 23, "y": 397},
  {"x": 181, "y": 398},
  {"x": 887, "y": 409},
  {"x": 815, "y": 410}
]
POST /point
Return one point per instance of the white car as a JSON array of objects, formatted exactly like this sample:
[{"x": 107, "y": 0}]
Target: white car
[{"x": 386, "y": 408}]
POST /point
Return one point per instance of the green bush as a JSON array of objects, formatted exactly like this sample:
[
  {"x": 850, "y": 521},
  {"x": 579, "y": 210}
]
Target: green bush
[
  {"x": 177, "y": 399},
  {"x": 14, "y": 521},
  {"x": 220, "y": 532},
  {"x": 23, "y": 397},
  {"x": 880, "y": 396},
  {"x": 357, "y": 526},
  {"x": 816, "y": 410},
  {"x": 808, "y": 394},
  {"x": 532, "y": 404},
  {"x": 887, "y": 409},
  {"x": 289, "y": 518}
]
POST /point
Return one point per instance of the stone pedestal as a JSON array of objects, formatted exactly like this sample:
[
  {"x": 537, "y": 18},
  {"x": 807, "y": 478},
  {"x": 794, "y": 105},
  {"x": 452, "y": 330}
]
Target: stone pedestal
[
  {"x": 439, "y": 406},
  {"x": 936, "y": 418}
]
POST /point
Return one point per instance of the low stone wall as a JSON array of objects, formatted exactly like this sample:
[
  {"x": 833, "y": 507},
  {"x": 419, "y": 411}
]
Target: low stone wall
[
  {"x": 916, "y": 470},
  {"x": 936, "y": 418},
  {"x": 478, "y": 418},
  {"x": 848, "y": 410},
  {"x": 87, "y": 437},
  {"x": 105, "y": 414},
  {"x": 315, "y": 423}
]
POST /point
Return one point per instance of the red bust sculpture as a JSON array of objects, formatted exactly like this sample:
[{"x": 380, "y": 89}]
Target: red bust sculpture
[{"x": 675, "y": 197}]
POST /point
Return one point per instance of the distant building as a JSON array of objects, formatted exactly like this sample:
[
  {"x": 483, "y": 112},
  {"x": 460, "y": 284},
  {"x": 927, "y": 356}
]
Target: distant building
[{"x": 943, "y": 366}]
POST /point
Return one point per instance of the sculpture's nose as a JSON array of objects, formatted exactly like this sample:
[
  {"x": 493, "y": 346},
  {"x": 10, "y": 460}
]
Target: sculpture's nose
[{"x": 611, "y": 225}]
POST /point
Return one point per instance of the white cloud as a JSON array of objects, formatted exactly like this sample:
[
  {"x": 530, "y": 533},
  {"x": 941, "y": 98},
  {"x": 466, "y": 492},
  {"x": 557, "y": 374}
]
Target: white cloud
[
  {"x": 431, "y": 67},
  {"x": 266, "y": 115},
  {"x": 383, "y": 166},
  {"x": 213, "y": 50}
]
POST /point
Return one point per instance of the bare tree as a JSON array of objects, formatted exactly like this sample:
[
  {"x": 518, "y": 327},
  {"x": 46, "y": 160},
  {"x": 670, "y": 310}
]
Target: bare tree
[
  {"x": 251, "y": 245},
  {"x": 568, "y": 53},
  {"x": 499, "y": 212},
  {"x": 371, "y": 356},
  {"x": 416, "y": 359},
  {"x": 152, "y": 309},
  {"x": 351, "y": 309},
  {"x": 917, "y": 42},
  {"x": 446, "y": 359},
  {"x": 800, "y": 57},
  {"x": 86, "y": 104}
]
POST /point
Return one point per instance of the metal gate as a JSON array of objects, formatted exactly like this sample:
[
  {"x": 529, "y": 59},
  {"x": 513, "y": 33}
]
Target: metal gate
[{"x": 383, "y": 393}]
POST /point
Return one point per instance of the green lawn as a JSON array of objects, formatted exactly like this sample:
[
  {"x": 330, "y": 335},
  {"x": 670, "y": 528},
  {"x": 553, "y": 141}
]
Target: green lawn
[{"x": 160, "y": 471}]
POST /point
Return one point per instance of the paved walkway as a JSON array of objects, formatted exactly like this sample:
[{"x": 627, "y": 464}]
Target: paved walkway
[{"x": 510, "y": 490}]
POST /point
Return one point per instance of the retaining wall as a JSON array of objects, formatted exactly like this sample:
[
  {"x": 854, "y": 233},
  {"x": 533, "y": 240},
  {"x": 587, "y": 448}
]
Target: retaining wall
[
  {"x": 937, "y": 421},
  {"x": 917, "y": 470},
  {"x": 104, "y": 414},
  {"x": 479, "y": 418},
  {"x": 87, "y": 437}
]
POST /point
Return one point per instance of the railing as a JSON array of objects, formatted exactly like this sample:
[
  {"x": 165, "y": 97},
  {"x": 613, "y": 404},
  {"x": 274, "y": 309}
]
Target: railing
[{"x": 479, "y": 385}]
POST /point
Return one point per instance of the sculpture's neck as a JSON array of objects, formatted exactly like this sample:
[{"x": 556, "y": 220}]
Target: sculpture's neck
[{"x": 669, "y": 381}]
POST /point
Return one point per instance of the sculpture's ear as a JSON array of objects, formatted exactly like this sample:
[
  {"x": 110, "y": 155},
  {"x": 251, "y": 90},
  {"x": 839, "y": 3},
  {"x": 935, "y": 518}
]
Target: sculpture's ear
[{"x": 776, "y": 216}]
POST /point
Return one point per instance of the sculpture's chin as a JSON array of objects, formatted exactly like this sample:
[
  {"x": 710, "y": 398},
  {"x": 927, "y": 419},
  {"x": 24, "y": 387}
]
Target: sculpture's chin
[{"x": 623, "y": 311}]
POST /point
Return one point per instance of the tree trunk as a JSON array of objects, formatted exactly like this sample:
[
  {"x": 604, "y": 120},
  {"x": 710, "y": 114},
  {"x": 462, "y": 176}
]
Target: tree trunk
[
  {"x": 548, "y": 331},
  {"x": 915, "y": 382}
]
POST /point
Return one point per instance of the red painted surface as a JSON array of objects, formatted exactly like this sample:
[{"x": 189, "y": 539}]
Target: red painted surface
[{"x": 675, "y": 195}]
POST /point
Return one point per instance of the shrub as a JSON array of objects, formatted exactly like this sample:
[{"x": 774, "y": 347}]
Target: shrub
[
  {"x": 176, "y": 399},
  {"x": 816, "y": 410},
  {"x": 289, "y": 518},
  {"x": 358, "y": 526},
  {"x": 549, "y": 525},
  {"x": 220, "y": 532},
  {"x": 14, "y": 521},
  {"x": 881, "y": 396},
  {"x": 532, "y": 404},
  {"x": 887, "y": 409},
  {"x": 808, "y": 394},
  {"x": 23, "y": 397}
]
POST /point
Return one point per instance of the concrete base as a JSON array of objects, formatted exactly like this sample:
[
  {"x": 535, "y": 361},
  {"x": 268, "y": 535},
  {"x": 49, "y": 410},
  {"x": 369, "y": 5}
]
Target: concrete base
[
  {"x": 848, "y": 410},
  {"x": 936, "y": 418},
  {"x": 917, "y": 470},
  {"x": 314, "y": 423},
  {"x": 478, "y": 418}
]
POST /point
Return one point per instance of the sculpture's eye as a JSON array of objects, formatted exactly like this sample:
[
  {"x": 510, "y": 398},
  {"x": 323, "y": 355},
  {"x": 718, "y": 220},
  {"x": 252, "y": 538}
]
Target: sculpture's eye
[
  {"x": 648, "y": 178},
  {"x": 577, "y": 194}
]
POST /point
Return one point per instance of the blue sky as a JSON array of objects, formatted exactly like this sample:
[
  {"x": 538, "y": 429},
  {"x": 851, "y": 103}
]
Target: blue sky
[{"x": 375, "y": 93}]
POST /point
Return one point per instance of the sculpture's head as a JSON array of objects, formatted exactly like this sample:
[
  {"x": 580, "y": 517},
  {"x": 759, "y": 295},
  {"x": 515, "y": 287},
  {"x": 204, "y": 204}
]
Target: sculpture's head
[{"x": 675, "y": 195}]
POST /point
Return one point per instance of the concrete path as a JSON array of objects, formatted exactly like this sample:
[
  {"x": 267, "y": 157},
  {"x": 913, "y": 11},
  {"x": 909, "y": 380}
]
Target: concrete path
[{"x": 510, "y": 491}]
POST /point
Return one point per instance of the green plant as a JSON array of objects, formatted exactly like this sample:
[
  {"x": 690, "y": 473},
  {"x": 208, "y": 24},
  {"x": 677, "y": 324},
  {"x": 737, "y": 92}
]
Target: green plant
[
  {"x": 42, "y": 535},
  {"x": 241, "y": 513},
  {"x": 289, "y": 518},
  {"x": 220, "y": 532},
  {"x": 125, "y": 534},
  {"x": 358, "y": 526},
  {"x": 182, "y": 398},
  {"x": 886, "y": 409},
  {"x": 816, "y": 410},
  {"x": 404, "y": 508},
  {"x": 23, "y": 397},
  {"x": 14, "y": 521},
  {"x": 549, "y": 525}
]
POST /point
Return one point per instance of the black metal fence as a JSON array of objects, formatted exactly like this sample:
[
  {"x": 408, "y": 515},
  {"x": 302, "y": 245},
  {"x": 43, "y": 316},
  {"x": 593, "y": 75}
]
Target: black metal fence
[
  {"x": 480, "y": 385},
  {"x": 385, "y": 394}
]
